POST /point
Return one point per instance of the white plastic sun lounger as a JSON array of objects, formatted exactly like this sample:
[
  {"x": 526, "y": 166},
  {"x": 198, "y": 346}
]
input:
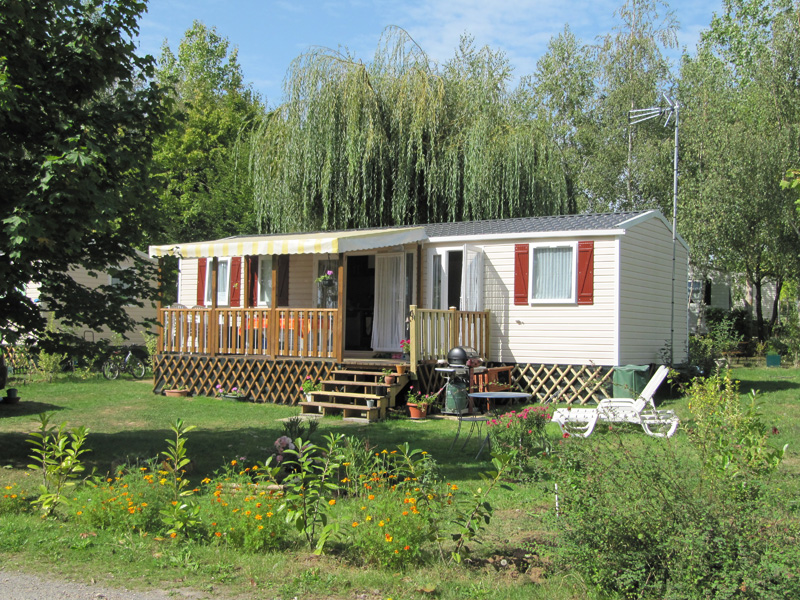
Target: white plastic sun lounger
[{"x": 641, "y": 411}]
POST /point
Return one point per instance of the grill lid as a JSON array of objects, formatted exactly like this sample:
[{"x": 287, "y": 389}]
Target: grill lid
[{"x": 460, "y": 355}]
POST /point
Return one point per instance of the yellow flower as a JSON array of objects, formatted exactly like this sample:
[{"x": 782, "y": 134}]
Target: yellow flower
[
  {"x": 371, "y": 497},
  {"x": 258, "y": 517},
  {"x": 269, "y": 514},
  {"x": 162, "y": 481},
  {"x": 369, "y": 518},
  {"x": 206, "y": 480},
  {"x": 389, "y": 538},
  {"x": 381, "y": 524},
  {"x": 261, "y": 527},
  {"x": 233, "y": 463},
  {"x": 80, "y": 512}
]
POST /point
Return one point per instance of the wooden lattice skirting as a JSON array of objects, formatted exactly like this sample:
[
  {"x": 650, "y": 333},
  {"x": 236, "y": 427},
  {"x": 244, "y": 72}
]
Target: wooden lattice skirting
[
  {"x": 261, "y": 379},
  {"x": 573, "y": 384}
]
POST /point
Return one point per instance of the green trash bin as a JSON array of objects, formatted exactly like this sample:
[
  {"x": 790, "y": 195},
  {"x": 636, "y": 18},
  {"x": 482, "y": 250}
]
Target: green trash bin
[{"x": 629, "y": 381}]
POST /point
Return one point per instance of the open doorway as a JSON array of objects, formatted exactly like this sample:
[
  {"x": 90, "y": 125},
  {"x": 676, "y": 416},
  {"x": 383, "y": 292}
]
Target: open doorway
[{"x": 360, "y": 302}]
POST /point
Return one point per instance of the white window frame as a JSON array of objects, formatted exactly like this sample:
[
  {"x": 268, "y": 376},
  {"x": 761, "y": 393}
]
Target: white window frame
[
  {"x": 572, "y": 299},
  {"x": 444, "y": 266},
  {"x": 268, "y": 274},
  {"x": 223, "y": 291}
]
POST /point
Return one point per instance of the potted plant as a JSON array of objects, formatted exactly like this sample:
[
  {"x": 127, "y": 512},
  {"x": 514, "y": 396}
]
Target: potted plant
[
  {"x": 418, "y": 403},
  {"x": 326, "y": 278},
  {"x": 180, "y": 391},
  {"x": 405, "y": 348},
  {"x": 308, "y": 386},
  {"x": 234, "y": 394},
  {"x": 389, "y": 377}
]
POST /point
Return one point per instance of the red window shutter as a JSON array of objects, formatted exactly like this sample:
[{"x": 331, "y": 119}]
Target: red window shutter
[
  {"x": 521, "y": 252},
  {"x": 252, "y": 284},
  {"x": 585, "y": 272},
  {"x": 236, "y": 281},
  {"x": 201, "y": 281}
]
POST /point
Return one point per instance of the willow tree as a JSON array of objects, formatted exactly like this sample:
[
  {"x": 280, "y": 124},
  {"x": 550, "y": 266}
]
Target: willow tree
[{"x": 401, "y": 140}]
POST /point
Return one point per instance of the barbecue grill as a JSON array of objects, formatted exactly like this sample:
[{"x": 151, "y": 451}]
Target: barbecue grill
[{"x": 460, "y": 360}]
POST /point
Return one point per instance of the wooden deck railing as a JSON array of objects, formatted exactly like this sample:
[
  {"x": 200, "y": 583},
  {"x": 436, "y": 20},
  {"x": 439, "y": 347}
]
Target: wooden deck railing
[
  {"x": 276, "y": 332},
  {"x": 435, "y": 332}
]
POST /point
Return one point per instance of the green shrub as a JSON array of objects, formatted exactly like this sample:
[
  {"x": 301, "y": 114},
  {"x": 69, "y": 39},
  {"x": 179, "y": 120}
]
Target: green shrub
[
  {"x": 523, "y": 431},
  {"x": 643, "y": 520}
]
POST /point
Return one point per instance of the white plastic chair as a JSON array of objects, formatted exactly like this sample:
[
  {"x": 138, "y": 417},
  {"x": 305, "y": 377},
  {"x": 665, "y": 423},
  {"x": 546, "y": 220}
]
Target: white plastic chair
[{"x": 641, "y": 411}]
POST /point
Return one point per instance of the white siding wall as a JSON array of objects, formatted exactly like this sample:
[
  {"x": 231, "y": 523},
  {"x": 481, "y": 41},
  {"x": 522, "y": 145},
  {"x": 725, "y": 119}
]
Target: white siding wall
[
  {"x": 300, "y": 281},
  {"x": 564, "y": 334},
  {"x": 187, "y": 282},
  {"x": 645, "y": 295}
]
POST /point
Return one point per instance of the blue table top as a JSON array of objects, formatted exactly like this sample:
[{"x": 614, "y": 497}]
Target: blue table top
[{"x": 499, "y": 395}]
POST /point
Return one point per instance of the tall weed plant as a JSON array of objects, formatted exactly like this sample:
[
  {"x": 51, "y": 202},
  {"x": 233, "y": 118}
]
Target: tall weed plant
[{"x": 731, "y": 436}]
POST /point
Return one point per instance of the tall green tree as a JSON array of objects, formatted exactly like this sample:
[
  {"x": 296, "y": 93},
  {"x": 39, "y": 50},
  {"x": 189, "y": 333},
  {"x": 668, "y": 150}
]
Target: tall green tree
[
  {"x": 78, "y": 116},
  {"x": 203, "y": 183},
  {"x": 629, "y": 166},
  {"x": 741, "y": 98},
  {"x": 400, "y": 140},
  {"x": 561, "y": 93}
]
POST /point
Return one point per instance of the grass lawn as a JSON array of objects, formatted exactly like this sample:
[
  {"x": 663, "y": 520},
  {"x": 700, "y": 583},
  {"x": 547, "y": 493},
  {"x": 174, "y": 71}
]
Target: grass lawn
[{"x": 127, "y": 422}]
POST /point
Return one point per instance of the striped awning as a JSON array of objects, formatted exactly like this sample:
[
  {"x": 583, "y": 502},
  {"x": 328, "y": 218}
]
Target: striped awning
[{"x": 331, "y": 242}]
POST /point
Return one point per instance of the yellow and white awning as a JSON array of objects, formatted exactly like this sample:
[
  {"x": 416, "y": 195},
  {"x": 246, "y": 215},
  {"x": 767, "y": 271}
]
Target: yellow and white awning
[{"x": 331, "y": 242}]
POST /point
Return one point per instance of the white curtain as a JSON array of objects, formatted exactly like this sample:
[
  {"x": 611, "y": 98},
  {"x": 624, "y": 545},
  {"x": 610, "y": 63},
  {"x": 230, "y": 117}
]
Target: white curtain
[
  {"x": 472, "y": 279},
  {"x": 552, "y": 273},
  {"x": 389, "y": 317}
]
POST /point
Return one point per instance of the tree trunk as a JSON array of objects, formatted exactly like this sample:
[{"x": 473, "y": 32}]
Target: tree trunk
[{"x": 775, "y": 306}]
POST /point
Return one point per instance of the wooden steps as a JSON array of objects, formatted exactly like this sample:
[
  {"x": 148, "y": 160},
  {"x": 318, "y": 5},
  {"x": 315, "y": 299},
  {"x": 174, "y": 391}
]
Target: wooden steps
[{"x": 348, "y": 391}]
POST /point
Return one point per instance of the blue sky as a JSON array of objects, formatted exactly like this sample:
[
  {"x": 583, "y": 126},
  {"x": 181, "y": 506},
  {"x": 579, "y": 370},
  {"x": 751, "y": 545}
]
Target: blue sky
[{"x": 270, "y": 33}]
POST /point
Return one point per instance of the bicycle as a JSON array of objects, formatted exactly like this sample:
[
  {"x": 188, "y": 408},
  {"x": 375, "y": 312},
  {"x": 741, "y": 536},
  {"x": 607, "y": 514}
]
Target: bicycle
[{"x": 115, "y": 364}]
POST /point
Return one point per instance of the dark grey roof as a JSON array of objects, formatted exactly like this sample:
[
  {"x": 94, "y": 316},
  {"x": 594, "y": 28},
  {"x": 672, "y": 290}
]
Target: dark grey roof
[{"x": 584, "y": 222}]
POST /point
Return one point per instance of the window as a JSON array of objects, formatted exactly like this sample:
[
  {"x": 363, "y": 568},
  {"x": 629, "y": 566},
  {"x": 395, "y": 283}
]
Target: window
[
  {"x": 552, "y": 273},
  {"x": 264, "y": 297},
  {"x": 223, "y": 281},
  {"x": 327, "y": 294},
  {"x": 456, "y": 278}
]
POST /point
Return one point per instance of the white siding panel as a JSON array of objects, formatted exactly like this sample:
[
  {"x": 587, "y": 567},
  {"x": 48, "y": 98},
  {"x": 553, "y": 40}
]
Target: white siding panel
[
  {"x": 301, "y": 280},
  {"x": 545, "y": 333},
  {"x": 645, "y": 294},
  {"x": 187, "y": 292}
]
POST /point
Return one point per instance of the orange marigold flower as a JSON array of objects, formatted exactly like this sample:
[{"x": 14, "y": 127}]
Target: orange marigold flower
[
  {"x": 371, "y": 497},
  {"x": 218, "y": 533},
  {"x": 388, "y": 538},
  {"x": 269, "y": 514},
  {"x": 332, "y": 501},
  {"x": 261, "y": 527},
  {"x": 406, "y": 547},
  {"x": 355, "y": 523},
  {"x": 405, "y": 513},
  {"x": 206, "y": 480},
  {"x": 233, "y": 463},
  {"x": 258, "y": 517},
  {"x": 173, "y": 534},
  {"x": 381, "y": 524}
]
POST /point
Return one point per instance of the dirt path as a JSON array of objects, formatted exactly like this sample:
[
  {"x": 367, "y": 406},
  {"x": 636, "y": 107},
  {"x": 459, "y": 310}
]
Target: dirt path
[{"x": 16, "y": 585}]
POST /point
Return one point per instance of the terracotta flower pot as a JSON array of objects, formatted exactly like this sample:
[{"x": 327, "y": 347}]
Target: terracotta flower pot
[
  {"x": 176, "y": 393},
  {"x": 417, "y": 411},
  {"x": 389, "y": 379},
  {"x": 401, "y": 369}
]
